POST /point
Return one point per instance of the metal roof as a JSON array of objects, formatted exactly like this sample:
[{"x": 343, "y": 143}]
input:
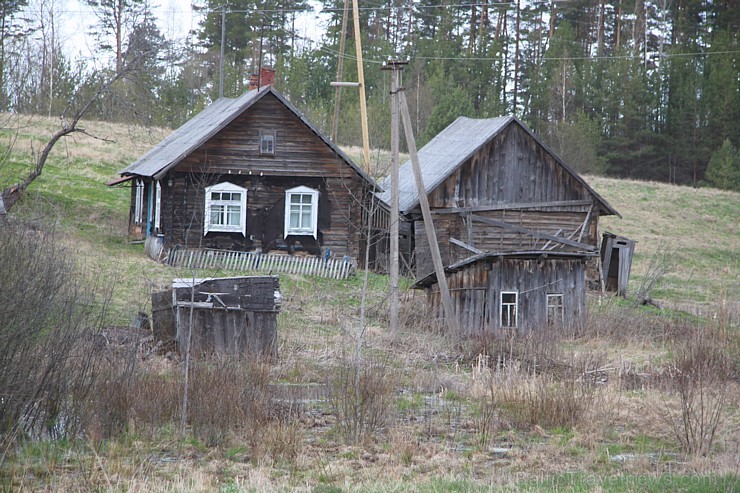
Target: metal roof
[
  {"x": 203, "y": 126},
  {"x": 452, "y": 147},
  {"x": 441, "y": 156}
]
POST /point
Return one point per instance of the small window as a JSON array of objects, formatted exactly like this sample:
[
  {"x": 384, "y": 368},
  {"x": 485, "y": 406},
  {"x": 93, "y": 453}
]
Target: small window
[
  {"x": 139, "y": 203},
  {"x": 509, "y": 308},
  {"x": 301, "y": 211},
  {"x": 157, "y": 206},
  {"x": 267, "y": 142},
  {"x": 555, "y": 309},
  {"x": 226, "y": 209}
]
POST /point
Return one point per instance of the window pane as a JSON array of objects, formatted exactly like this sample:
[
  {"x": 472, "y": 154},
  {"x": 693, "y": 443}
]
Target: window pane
[
  {"x": 233, "y": 217},
  {"x": 295, "y": 198},
  {"x": 217, "y": 214},
  {"x": 215, "y": 195},
  {"x": 306, "y": 219},
  {"x": 294, "y": 220},
  {"x": 306, "y": 199},
  {"x": 508, "y": 298}
]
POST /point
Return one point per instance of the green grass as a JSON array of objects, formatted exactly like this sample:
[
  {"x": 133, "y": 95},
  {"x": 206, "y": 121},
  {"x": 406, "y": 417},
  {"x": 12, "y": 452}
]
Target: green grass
[{"x": 698, "y": 226}]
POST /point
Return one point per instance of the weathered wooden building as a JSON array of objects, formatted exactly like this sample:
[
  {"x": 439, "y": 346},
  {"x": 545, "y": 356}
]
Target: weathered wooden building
[
  {"x": 228, "y": 315},
  {"x": 250, "y": 174},
  {"x": 616, "y": 262},
  {"x": 517, "y": 228}
]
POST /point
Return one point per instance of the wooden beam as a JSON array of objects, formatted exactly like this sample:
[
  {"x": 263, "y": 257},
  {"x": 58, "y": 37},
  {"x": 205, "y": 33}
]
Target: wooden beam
[
  {"x": 361, "y": 79},
  {"x": 585, "y": 222},
  {"x": 459, "y": 243},
  {"x": 516, "y": 206},
  {"x": 449, "y": 311},
  {"x": 530, "y": 232}
]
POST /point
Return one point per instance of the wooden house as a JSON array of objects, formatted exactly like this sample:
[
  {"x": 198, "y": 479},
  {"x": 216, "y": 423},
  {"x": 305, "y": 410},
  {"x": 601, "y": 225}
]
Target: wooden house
[
  {"x": 516, "y": 226},
  {"x": 250, "y": 174}
]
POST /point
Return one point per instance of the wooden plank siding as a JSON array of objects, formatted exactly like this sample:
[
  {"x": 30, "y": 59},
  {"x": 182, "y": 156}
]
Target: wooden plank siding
[
  {"x": 513, "y": 168},
  {"x": 301, "y": 158},
  {"x": 476, "y": 292}
]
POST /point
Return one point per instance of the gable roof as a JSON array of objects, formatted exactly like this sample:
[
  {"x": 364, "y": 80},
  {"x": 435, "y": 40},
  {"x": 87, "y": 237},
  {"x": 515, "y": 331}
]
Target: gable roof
[
  {"x": 451, "y": 148},
  {"x": 203, "y": 126}
]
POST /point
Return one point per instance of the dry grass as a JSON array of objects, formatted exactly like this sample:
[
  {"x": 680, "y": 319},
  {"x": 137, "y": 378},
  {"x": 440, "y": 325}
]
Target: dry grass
[{"x": 530, "y": 409}]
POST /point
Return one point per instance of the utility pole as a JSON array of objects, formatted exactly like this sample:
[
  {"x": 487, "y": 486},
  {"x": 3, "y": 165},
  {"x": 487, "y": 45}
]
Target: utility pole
[
  {"x": 221, "y": 59},
  {"x": 449, "y": 311},
  {"x": 360, "y": 84},
  {"x": 395, "y": 67},
  {"x": 340, "y": 66},
  {"x": 361, "y": 80}
]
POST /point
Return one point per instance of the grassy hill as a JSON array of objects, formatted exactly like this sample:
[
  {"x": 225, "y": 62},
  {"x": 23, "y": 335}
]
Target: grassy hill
[{"x": 597, "y": 409}]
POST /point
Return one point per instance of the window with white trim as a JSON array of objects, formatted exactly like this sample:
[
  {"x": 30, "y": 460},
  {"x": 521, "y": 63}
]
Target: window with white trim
[
  {"x": 301, "y": 211},
  {"x": 226, "y": 209},
  {"x": 555, "y": 309},
  {"x": 139, "y": 202},
  {"x": 267, "y": 142},
  {"x": 157, "y": 205},
  {"x": 509, "y": 300}
]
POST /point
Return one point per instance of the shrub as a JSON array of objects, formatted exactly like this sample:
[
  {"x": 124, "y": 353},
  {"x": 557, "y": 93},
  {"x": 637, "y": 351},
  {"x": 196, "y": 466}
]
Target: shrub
[
  {"x": 361, "y": 398},
  {"x": 50, "y": 316}
]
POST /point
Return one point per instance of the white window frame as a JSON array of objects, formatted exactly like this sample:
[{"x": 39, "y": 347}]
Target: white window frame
[
  {"x": 139, "y": 202},
  {"x": 157, "y": 205},
  {"x": 241, "y": 203},
  {"x": 265, "y": 136},
  {"x": 555, "y": 306},
  {"x": 310, "y": 230},
  {"x": 507, "y": 306}
]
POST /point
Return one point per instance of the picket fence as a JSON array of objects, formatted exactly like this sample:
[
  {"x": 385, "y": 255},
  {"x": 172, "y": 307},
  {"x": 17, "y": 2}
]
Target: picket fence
[{"x": 260, "y": 262}]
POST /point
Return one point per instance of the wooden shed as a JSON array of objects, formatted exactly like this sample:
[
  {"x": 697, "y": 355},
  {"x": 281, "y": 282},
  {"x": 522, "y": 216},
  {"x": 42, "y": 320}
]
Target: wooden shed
[
  {"x": 251, "y": 174},
  {"x": 616, "y": 262},
  {"x": 514, "y": 291},
  {"x": 230, "y": 315},
  {"x": 516, "y": 226}
]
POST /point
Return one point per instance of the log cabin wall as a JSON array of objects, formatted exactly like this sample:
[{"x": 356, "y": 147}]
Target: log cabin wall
[
  {"x": 476, "y": 292},
  {"x": 505, "y": 180},
  {"x": 300, "y": 158}
]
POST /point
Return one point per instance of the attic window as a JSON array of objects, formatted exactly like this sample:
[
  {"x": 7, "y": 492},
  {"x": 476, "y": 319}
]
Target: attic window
[
  {"x": 267, "y": 142},
  {"x": 226, "y": 209}
]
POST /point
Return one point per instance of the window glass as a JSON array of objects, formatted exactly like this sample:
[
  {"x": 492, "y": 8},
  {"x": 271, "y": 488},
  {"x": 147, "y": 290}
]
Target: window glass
[
  {"x": 508, "y": 309},
  {"x": 226, "y": 208},
  {"x": 301, "y": 214}
]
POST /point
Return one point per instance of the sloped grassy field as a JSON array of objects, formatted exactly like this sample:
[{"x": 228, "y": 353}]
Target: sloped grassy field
[{"x": 573, "y": 412}]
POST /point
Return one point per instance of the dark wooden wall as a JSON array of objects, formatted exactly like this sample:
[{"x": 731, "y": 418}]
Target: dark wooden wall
[
  {"x": 476, "y": 292},
  {"x": 301, "y": 158},
  {"x": 507, "y": 174}
]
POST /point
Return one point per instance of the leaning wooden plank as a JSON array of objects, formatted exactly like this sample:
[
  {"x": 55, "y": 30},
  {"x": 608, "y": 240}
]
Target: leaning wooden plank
[
  {"x": 536, "y": 234},
  {"x": 459, "y": 243}
]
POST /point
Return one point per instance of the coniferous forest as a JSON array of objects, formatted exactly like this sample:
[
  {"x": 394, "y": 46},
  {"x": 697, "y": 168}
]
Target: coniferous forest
[{"x": 645, "y": 89}]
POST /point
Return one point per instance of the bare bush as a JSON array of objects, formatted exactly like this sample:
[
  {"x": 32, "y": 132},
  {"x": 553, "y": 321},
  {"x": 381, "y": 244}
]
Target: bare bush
[
  {"x": 50, "y": 313},
  {"x": 361, "y": 405},
  {"x": 701, "y": 370}
]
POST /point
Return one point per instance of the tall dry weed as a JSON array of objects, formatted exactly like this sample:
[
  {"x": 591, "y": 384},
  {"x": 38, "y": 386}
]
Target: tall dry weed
[{"x": 702, "y": 369}]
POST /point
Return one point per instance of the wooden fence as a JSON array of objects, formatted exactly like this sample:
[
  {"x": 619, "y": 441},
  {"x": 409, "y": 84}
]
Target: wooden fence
[{"x": 260, "y": 262}]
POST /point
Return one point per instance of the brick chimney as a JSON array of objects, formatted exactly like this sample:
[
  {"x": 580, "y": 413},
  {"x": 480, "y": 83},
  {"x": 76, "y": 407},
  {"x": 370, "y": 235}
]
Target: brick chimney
[{"x": 266, "y": 77}]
